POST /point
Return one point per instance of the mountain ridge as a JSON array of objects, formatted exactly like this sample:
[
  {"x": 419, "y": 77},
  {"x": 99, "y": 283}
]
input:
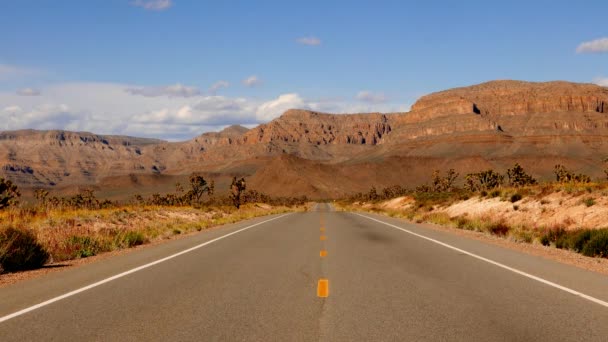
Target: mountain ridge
[{"x": 490, "y": 124}]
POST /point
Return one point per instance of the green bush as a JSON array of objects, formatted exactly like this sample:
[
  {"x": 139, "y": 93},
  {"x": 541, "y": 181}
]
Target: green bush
[
  {"x": 20, "y": 250},
  {"x": 597, "y": 245},
  {"x": 82, "y": 246},
  {"x": 589, "y": 201},
  {"x": 133, "y": 238}
]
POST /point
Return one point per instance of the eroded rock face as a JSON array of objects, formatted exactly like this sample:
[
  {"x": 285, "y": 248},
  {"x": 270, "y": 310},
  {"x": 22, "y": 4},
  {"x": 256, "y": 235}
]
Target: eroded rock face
[
  {"x": 303, "y": 126},
  {"x": 519, "y": 98}
]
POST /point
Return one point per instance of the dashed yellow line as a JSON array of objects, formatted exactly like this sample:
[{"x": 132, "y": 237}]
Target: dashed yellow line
[
  {"x": 323, "y": 253},
  {"x": 323, "y": 288},
  {"x": 323, "y": 237},
  {"x": 322, "y": 229}
]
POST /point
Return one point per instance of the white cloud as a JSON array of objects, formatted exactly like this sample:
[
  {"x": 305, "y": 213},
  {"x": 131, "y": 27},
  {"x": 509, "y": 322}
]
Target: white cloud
[
  {"x": 218, "y": 85},
  {"x": 105, "y": 108},
  {"x": 594, "y": 46},
  {"x": 153, "y": 5},
  {"x": 310, "y": 41},
  {"x": 175, "y": 90},
  {"x": 28, "y": 92},
  {"x": 601, "y": 81},
  {"x": 368, "y": 96},
  {"x": 274, "y": 108},
  {"x": 251, "y": 81}
]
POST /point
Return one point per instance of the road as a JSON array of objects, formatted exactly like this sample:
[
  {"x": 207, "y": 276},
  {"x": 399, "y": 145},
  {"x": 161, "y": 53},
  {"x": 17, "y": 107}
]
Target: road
[{"x": 386, "y": 280}]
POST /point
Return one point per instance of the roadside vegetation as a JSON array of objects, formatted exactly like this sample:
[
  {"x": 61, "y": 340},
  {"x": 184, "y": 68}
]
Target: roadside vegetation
[
  {"x": 56, "y": 229},
  {"x": 570, "y": 212}
]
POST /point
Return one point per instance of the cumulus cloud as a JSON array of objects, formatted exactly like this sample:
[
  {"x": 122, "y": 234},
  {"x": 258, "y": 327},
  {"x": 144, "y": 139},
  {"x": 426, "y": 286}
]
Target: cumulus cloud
[
  {"x": 28, "y": 92},
  {"x": 251, "y": 81},
  {"x": 274, "y": 108},
  {"x": 218, "y": 85},
  {"x": 105, "y": 108},
  {"x": 601, "y": 81},
  {"x": 153, "y": 5},
  {"x": 175, "y": 90},
  {"x": 371, "y": 97},
  {"x": 593, "y": 46},
  {"x": 310, "y": 41}
]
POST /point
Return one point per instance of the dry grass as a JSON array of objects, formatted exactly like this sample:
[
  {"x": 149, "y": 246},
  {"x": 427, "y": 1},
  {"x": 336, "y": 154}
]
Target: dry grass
[{"x": 77, "y": 233}]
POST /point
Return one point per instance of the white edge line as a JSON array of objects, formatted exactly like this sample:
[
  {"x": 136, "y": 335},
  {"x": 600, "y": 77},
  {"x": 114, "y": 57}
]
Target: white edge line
[
  {"x": 120, "y": 275},
  {"x": 495, "y": 263}
]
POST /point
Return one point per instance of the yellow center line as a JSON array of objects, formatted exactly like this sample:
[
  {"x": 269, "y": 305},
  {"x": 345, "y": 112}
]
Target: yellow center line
[
  {"x": 323, "y": 253},
  {"x": 322, "y": 229},
  {"x": 323, "y": 237},
  {"x": 323, "y": 288}
]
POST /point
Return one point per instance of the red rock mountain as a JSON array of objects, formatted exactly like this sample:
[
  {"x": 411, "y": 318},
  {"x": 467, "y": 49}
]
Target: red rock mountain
[{"x": 493, "y": 124}]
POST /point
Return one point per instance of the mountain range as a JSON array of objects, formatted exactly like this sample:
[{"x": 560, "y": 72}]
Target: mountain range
[{"x": 302, "y": 152}]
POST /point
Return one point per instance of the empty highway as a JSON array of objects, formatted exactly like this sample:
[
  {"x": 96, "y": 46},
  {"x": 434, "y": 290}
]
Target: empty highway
[{"x": 316, "y": 276}]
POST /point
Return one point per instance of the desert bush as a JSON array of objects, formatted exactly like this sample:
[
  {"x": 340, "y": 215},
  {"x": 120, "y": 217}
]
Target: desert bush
[
  {"x": 597, "y": 244},
  {"x": 81, "y": 247},
  {"x": 498, "y": 228},
  {"x": 9, "y": 194},
  {"x": 552, "y": 235},
  {"x": 589, "y": 201},
  {"x": 516, "y": 197},
  {"x": 518, "y": 177},
  {"x": 131, "y": 239},
  {"x": 20, "y": 250}
]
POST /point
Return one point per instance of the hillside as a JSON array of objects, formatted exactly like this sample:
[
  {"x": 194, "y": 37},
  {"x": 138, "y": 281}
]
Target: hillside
[{"x": 493, "y": 124}]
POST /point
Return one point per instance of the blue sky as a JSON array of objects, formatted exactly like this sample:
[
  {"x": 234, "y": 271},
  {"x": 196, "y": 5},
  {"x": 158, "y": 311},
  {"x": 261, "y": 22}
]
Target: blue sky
[{"x": 148, "y": 67}]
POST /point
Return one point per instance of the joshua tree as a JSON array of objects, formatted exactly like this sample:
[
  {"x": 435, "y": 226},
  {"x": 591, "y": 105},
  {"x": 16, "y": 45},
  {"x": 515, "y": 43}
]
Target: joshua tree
[
  {"x": 562, "y": 175},
  {"x": 42, "y": 196},
  {"x": 442, "y": 184},
  {"x": 8, "y": 193},
  {"x": 518, "y": 177},
  {"x": 484, "y": 180},
  {"x": 237, "y": 187},
  {"x": 199, "y": 187}
]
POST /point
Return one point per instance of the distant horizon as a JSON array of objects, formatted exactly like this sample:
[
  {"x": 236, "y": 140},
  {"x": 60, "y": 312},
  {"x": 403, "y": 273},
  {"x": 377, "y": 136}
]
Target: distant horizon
[{"x": 174, "y": 69}]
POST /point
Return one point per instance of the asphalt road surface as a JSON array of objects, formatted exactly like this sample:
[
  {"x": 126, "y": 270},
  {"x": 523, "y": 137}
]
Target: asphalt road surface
[{"x": 315, "y": 276}]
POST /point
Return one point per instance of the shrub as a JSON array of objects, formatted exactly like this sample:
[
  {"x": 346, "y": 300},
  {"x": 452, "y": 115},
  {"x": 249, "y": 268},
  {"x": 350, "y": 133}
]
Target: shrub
[
  {"x": 589, "y": 201},
  {"x": 8, "y": 193},
  {"x": 597, "y": 244},
  {"x": 81, "y": 247},
  {"x": 515, "y": 197},
  {"x": 20, "y": 250},
  {"x": 578, "y": 241},
  {"x": 499, "y": 228},
  {"x": 552, "y": 235},
  {"x": 132, "y": 238}
]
